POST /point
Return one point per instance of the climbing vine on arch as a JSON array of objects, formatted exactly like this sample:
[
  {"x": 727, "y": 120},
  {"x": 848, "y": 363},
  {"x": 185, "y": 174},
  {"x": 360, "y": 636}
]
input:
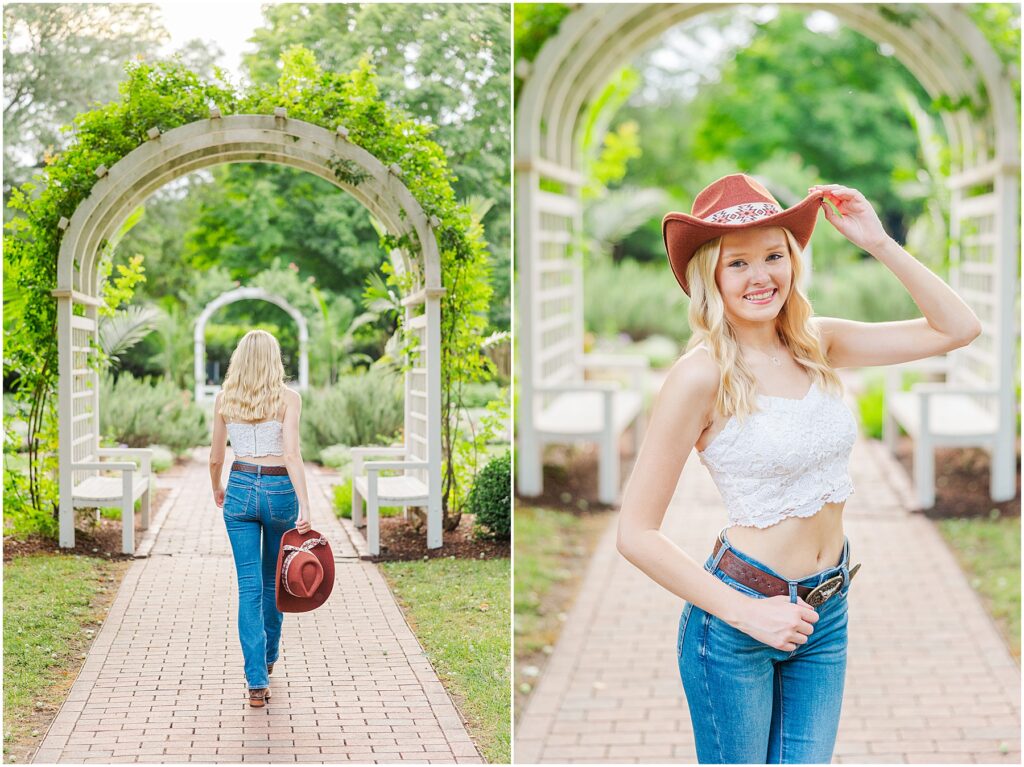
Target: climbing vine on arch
[{"x": 168, "y": 95}]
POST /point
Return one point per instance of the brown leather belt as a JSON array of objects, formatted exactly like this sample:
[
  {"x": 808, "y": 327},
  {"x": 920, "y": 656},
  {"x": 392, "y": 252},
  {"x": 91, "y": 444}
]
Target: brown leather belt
[
  {"x": 769, "y": 585},
  {"x": 252, "y": 468}
]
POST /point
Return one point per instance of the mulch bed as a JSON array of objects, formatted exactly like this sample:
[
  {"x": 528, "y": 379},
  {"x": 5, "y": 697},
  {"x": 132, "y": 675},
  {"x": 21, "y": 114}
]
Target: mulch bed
[
  {"x": 400, "y": 542},
  {"x": 570, "y": 479},
  {"x": 93, "y": 538},
  {"x": 961, "y": 482}
]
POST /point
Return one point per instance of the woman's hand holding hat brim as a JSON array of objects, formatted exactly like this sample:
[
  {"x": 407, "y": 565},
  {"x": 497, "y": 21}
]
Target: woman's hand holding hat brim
[{"x": 853, "y": 217}]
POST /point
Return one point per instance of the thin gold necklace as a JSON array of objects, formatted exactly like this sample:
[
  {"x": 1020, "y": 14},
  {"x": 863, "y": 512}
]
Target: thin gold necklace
[{"x": 772, "y": 358}]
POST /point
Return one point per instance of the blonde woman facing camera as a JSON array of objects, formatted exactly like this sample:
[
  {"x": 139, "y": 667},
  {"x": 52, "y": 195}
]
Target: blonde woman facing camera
[
  {"x": 265, "y": 495},
  {"x": 762, "y": 638}
]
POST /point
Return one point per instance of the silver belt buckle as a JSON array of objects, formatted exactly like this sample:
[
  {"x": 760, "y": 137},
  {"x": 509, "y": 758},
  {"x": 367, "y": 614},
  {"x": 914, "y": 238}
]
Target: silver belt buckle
[{"x": 823, "y": 591}]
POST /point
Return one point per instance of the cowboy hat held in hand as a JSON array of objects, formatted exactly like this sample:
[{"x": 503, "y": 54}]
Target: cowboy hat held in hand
[
  {"x": 305, "y": 571},
  {"x": 730, "y": 204}
]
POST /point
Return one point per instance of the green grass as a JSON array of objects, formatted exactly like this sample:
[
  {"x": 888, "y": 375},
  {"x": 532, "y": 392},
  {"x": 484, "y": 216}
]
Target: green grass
[
  {"x": 552, "y": 551},
  {"x": 459, "y": 609},
  {"x": 49, "y": 612},
  {"x": 542, "y": 538},
  {"x": 989, "y": 551}
]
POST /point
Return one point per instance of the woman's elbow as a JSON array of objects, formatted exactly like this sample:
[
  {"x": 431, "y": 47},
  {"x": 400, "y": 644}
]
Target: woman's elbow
[
  {"x": 626, "y": 542},
  {"x": 969, "y": 333}
]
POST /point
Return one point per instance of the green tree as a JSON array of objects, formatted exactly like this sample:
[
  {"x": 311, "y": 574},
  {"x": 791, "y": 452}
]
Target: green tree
[
  {"x": 254, "y": 214},
  {"x": 446, "y": 65},
  {"x": 830, "y": 97},
  {"x": 534, "y": 24},
  {"x": 60, "y": 59}
]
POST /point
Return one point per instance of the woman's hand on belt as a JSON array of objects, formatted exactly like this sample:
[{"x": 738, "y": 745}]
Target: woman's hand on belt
[
  {"x": 218, "y": 496},
  {"x": 302, "y": 524},
  {"x": 778, "y": 623}
]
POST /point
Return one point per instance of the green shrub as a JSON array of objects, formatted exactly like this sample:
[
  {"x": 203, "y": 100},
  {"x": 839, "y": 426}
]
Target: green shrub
[
  {"x": 480, "y": 394},
  {"x": 647, "y": 300},
  {"x": 871, "y": 403},
  {"x": 337, "y": 457},
  {"x": 361, "y": 409},
  {"x": 660, "y": 351},
  {"x": 343, "y": 502},
  {"x": 163, "y": 458},
  {"x": 140, "y": 412},
  {"x": 861, "y": 290},
  {"x": 21, "y": 518},
  {"x": 491, "y": 496}
]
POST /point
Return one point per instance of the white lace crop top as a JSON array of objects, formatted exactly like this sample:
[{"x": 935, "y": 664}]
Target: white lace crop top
[
  {"x": 255, "y": 440},
  {"x": 786, "y": 460}
]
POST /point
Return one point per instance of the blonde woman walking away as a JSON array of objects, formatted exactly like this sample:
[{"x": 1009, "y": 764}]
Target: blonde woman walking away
[
  {"x": 762, "y": 638},
  {"x": 266, "y": 492}
]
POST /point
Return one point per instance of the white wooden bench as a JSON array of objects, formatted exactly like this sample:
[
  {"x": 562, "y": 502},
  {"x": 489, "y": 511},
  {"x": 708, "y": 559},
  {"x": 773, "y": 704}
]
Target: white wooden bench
[
  {"x": 419, "y": 457},
  {"x": 945, "y": 415},
  {"x": 369, "y": 486},
  {"x": 95, "y": 491},
  {"x": 82, "y": 486},
  {"x": 976, "y": 405},
  {"x": 557, "y": 402},
  {"x": 593, "y": 411}
]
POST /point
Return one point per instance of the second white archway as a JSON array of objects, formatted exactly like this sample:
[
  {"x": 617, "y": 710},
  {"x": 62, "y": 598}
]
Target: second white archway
[{"x": 204, "y": 391}]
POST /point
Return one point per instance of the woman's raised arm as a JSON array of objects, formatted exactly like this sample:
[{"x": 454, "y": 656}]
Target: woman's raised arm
[{"x": 948, "y": 322}]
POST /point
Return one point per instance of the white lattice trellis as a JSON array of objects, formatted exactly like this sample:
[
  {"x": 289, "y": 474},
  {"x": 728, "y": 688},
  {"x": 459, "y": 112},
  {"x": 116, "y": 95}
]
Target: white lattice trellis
[{"x": 165, "y": 157}]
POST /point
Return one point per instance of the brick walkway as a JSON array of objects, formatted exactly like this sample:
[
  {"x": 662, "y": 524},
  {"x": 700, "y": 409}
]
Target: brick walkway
[
  {"x": 163, "y": 681},
  {"x": 928, "y": 677}
]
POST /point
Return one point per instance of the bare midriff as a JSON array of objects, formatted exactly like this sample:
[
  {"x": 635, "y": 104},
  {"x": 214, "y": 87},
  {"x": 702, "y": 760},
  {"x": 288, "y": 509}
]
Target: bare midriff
[
  {"x": 797, "y": 546},
  {"x": 263, "y": 460}
]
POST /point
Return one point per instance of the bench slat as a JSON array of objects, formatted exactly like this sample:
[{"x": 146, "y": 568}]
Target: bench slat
[
  {"x": 577, "y": 414},
  {"x": 951, "y": 416},
  {"x": 106, "y": 491},
  {"x": 396, "y": 489}
]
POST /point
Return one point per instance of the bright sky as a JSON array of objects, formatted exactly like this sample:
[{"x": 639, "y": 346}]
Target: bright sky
[{"x": 227, "y": 24}]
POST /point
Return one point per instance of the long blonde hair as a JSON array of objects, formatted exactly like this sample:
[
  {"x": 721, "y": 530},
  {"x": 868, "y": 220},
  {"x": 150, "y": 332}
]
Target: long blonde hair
[
  {"x": 710, "y": 326},
  {"x": 254, "y": 385}
]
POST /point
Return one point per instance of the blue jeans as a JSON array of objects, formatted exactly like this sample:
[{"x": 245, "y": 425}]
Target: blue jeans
[
  {"x": 750, "y": 703},
  {"x": 258, "y": 506}
]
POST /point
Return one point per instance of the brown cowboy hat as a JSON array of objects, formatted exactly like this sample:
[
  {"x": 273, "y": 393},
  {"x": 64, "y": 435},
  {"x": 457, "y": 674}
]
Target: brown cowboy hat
[
  {"x": 305, "y": 571},
  {"x": 729, "y": 204}
]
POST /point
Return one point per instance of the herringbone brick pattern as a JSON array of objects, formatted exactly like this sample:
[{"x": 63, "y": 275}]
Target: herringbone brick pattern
[
  {"x": 928, "y": 678},
  {"x": 163, "y": 681}
]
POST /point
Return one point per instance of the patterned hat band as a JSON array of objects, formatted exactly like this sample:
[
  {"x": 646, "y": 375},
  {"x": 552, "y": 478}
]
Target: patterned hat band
[
  {"x": 292, "y": 552},
  {"x": 744, "y": 213}
]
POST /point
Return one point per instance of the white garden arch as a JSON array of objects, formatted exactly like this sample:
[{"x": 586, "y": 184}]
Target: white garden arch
[
  {"x": 203, "y": 391},
  {"x": 939, "y": 45},
  {"x": 214, "y": 141}
]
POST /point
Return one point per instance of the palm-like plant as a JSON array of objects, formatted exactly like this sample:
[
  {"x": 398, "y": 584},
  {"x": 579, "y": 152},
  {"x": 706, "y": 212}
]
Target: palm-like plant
[{"x": 119, "y": 333}]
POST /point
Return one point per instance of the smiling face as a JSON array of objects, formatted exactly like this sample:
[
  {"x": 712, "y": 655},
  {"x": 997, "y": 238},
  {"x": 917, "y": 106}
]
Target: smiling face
[{"x": 754, "y": 274}]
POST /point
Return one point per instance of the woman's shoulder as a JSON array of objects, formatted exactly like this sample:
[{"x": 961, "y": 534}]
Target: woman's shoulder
[
  {"x": 292, "y": 399},
  {"x": 695, "y": 376}
]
